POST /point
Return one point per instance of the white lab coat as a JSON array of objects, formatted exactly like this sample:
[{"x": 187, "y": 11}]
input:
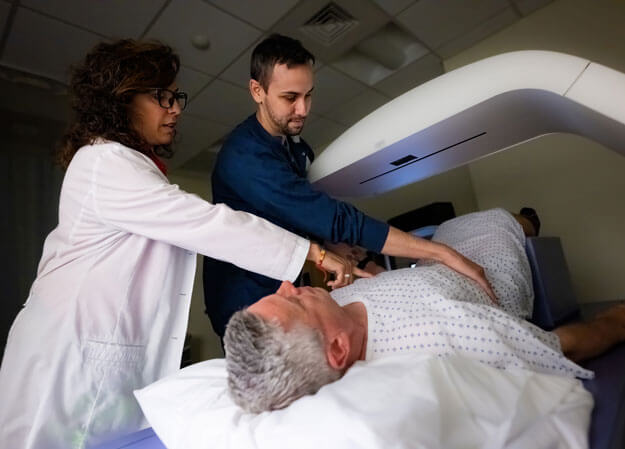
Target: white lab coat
[{"x": 108, "y": 311}]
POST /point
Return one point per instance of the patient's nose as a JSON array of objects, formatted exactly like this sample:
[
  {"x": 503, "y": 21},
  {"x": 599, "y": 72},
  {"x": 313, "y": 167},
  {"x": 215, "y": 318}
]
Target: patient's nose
[{"x": 286, "y": 288}]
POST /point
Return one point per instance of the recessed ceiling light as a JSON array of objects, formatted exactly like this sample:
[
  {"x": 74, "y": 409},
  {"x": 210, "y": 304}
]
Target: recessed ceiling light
[{"x": 201, "y": 41}]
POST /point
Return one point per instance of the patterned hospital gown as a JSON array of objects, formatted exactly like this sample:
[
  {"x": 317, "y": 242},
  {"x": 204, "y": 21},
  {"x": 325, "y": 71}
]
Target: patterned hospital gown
[{"x": 431, "y": 308}]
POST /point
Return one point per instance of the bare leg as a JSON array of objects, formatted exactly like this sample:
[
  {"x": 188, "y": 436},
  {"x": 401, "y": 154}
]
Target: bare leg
[{"x": 582, "y": 341}]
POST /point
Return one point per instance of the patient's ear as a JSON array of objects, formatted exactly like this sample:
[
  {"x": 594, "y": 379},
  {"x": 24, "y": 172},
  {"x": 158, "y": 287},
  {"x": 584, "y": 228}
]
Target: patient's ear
[{"x": 337, "y": 351}]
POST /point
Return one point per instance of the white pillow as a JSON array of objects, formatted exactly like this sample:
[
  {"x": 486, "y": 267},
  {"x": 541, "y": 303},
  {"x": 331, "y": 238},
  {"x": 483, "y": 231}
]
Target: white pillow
[{"x": 400, "y": 402}]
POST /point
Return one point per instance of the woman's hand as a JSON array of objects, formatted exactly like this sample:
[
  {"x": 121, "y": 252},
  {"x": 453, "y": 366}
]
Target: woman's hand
[
  {"x": 343, "y": 270},
  {"x": 456, "y": 261}
]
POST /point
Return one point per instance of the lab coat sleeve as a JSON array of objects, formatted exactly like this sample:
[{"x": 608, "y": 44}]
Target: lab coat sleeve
[
  {"x": 130, "y": 194},
  {"x": 272, "y": 187}
]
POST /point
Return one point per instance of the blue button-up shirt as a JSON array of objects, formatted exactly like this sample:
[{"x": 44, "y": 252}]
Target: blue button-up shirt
[{"x": 266, "y": 175}]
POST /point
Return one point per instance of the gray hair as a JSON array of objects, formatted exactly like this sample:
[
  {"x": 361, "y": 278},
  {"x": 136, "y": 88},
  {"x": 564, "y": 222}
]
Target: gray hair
[{"x": 268, "y": 367}]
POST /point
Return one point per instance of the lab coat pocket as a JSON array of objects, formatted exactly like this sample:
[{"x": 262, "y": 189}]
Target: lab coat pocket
[
  {"x": 113, "y": 371},
  {"x": 106, "y": 353}
]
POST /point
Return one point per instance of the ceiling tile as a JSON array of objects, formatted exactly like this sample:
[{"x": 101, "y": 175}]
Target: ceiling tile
[
  {"x": 394, "y": 6},
  {"x": 228, "y": 36},
  {"x": 411, "y": 76},
  {"x": 114, "y": 18},
  {"x": 482, "y": 31},
  {"x": 321, "y": 132},
  {"x": 194, "y": 135},
  {"x": 438, "y": 21},
  {"x": 223, "y": 103},
  {"x": 353, "y": 110},
  {"x": 381, "y": 54},
  {"x": 261, "y": 14},
  {"x": 239, "y": 72},
  {"x": 45, "y": 46},
  {"x": 392, "y": 46},
  {"x": 333, "y": 88},
  {"x": 368, "y": 16},
  {"x": 191, "y": 81},
  {"x": 362, "y": 67},
  {"x": 529, "y": 6}
]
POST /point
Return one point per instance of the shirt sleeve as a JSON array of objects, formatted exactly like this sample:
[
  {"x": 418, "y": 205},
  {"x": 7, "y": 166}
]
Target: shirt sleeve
[
  {"x": 130, "y": 194},
  {"x": 266, "y": 181}
]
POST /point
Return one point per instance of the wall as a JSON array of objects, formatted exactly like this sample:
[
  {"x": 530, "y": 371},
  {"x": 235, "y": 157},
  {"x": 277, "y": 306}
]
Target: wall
[
  {"x": 576, "y": 185},
  {"x": 454, "y": 186}
]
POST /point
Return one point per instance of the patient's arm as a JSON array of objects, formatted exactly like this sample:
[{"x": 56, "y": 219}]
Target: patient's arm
[{"x": 402, "y": 244}]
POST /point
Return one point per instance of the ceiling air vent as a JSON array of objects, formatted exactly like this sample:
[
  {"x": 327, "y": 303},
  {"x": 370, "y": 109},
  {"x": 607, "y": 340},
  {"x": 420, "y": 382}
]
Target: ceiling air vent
[{"x": 329, "y": 24}]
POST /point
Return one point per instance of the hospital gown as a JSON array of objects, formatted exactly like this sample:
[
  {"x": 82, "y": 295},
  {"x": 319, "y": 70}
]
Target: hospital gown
[{"x": 431, "y": 308}]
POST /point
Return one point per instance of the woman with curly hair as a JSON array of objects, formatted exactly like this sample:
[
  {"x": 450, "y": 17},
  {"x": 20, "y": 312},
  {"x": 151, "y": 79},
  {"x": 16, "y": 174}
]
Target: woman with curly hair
[{"x": 107, "y": 313}]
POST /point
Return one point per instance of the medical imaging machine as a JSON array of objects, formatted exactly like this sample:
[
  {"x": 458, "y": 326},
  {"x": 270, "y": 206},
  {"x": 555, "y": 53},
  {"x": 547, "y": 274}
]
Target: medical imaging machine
[
  {"x": 467, "y": 114},
  {"x": 474, "y": 111}
]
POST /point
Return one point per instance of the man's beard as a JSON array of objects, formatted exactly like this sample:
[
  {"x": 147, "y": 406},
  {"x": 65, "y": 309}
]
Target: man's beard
[{"x": 283, "y": 124}]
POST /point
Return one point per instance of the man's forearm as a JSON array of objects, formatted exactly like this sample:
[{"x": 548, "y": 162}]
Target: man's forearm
[{"x": 402, "y": 244}]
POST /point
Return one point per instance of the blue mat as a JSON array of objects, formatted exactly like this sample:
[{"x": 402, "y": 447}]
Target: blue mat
[{"x": 143, "y": 439}]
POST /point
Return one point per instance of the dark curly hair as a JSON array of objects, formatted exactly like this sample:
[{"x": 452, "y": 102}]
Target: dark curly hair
[{"x": 102, "y": 87}]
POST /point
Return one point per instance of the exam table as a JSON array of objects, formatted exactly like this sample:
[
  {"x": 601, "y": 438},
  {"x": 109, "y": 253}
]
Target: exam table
[{"x": 554, "y": 304}]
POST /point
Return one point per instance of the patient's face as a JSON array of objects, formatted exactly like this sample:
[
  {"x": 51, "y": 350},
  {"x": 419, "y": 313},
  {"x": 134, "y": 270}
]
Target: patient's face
[{"x": 312, "y": 307}]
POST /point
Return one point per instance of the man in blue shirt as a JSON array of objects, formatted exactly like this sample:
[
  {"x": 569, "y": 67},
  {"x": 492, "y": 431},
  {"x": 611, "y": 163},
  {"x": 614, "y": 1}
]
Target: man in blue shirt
[{"x": 261, "y": 169}]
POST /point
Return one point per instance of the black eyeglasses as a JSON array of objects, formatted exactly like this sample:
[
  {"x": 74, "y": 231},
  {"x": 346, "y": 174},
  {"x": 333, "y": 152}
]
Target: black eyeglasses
[{"x": 167, "y": 97}]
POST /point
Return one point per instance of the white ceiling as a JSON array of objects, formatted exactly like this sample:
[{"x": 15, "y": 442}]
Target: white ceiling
[{"x": 44, "y": 37}]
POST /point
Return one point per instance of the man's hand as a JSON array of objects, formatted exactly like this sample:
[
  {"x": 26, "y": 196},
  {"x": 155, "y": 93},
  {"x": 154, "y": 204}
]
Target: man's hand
[
  {"x": 402, "y": 244},
  {"x": 470, "y": 269}
]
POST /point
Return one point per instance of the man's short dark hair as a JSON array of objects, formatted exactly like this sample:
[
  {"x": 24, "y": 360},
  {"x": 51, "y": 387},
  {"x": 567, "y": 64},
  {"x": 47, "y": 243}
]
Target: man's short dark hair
[{"x": 277, "y": 49}]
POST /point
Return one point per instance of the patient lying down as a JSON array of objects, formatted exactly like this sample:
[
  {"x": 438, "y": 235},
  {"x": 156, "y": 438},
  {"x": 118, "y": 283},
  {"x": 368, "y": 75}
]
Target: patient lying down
[{"x": 293, "y": 342}]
